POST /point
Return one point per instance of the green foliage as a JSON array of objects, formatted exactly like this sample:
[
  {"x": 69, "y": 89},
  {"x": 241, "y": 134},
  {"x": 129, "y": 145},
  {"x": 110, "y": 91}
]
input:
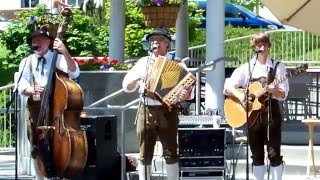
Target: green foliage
[
  {"x": 249, "y": 4},
  {"x": 159, "y": 2},
  {"x": 83, "y": 36},
  {"x": 134, "y": 34},
  {"x": 134, "y": 15},
  {"x": 196, "y": 15}
]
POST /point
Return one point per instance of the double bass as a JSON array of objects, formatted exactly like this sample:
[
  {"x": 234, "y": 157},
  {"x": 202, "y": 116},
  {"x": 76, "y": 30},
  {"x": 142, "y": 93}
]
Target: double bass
[{"x": 62, "y": 145}]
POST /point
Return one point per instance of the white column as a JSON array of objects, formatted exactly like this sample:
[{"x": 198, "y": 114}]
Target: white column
[
  {"x": 117, "y": 26},
  {"x": 182, "y": 32},
  {"x": 215, "y": 49}
]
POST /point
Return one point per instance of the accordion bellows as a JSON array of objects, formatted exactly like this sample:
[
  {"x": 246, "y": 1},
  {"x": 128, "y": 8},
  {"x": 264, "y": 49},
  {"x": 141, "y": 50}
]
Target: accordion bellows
[{"x": 167, "y": 79}]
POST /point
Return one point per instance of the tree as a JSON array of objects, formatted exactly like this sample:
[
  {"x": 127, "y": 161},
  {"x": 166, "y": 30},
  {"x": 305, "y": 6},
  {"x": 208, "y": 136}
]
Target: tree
[{"x": 249, "y": 4}]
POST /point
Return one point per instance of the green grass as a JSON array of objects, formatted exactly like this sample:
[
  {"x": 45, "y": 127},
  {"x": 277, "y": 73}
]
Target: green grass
[{"x": 6, "y": 75}]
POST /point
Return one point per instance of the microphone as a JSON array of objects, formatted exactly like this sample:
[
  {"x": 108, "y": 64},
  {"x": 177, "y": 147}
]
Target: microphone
[
  {"x": 34, "y": 47},
  {"x": 260, "y": 50},
  {"x": 154, "y": 46}
]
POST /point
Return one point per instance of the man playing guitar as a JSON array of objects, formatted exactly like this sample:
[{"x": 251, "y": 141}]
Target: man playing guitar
[{"x": 267, "y": 126}]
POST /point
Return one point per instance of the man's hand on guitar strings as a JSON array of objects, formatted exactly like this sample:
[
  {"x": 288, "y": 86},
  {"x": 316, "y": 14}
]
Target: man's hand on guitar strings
[
  {"x": 271, "y": 89},
  {"x": 243, "y": 100}
]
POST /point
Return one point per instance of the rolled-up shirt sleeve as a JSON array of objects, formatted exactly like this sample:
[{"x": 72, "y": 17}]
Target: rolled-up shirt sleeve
[
  {"x": 236, "y": 80},
  {"x": 138, "y": 70},
  {"x": 63, "y": 66}
]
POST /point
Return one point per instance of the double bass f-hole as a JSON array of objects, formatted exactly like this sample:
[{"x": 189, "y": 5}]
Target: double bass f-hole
[{"x": 64, "y": 151}]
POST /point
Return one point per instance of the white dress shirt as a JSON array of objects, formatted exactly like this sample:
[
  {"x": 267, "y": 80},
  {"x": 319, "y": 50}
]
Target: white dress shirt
[
  {"x": 29, "y": 64},
  {"x": 240, "y": 76},
  {"x": 139, "y": 70}
]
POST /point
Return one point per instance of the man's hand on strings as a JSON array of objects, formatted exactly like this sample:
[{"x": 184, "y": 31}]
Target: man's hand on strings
[
  {"x": 59, "y": 46},
  {"x": 243, "y": 101},
  {"x": 271, "y": 89},
  {"x": 38, "y": 89}
]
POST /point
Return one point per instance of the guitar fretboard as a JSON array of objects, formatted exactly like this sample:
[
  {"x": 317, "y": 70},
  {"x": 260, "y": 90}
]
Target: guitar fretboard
[{"x": 274, "y": 83}]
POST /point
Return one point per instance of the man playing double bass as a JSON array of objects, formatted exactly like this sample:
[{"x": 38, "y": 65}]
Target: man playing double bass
[{"x": 34, "y": 69}]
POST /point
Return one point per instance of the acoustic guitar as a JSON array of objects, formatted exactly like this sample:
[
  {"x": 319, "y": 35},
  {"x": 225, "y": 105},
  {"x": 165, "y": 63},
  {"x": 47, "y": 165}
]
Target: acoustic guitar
[{"x": 236, "y": 112}]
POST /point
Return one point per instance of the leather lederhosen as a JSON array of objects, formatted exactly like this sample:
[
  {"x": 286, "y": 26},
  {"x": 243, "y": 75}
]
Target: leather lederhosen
[{"x": 267, "y": 130}]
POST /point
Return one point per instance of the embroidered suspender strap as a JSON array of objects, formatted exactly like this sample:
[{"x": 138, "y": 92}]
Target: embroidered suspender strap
[
  {"x": 272, "y": 72},
  {"x": 32, "y": 78}
]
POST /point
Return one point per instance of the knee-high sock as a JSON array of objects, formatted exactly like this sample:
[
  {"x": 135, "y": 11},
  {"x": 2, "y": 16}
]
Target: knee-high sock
[
  {"x": 276, "y": 172},
  {"x": 142, "y": 172},
  {"x": 258, "y": 172},
  {"x": 172, "y": 171},
  {"x": 36, "y": 170}
]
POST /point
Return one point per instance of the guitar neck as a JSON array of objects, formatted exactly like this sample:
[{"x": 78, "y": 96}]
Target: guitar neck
[{"x": 275, "y": 83}]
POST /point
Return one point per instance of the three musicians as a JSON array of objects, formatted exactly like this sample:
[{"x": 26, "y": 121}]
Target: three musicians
[{"x": 155, "y": 120}]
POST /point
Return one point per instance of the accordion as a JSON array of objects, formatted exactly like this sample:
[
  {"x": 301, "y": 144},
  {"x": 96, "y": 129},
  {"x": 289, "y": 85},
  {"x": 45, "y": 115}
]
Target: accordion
[{"x": 166, "y": 80}]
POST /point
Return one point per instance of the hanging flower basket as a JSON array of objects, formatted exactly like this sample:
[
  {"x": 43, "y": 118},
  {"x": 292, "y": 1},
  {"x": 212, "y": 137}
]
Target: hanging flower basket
[{"x": 160, "y": 16}]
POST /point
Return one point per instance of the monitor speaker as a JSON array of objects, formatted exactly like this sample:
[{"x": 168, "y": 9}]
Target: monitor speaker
[{"x": 102, "y": 157}]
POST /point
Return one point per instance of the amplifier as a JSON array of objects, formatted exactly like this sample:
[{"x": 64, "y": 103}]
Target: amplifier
[
  {"x": 197, "y": 142},
  {"x": 206, "y": 121},
  {"x": 202, "y": 163},
  {"x": 202, "y": 148},
  {"x": 203, "y": 175}
]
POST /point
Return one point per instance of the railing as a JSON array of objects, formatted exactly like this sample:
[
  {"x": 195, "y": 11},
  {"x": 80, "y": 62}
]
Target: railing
[
  {"x": 288, "y": 46},
  {"x": 7, "y": 129}
]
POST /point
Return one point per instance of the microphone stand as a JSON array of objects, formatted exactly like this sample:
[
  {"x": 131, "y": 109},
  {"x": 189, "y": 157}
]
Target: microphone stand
[
  {"x": 143, "y": 97},
  {"x": 14, "y": 96},
  {"x": 247, "y": 112}
]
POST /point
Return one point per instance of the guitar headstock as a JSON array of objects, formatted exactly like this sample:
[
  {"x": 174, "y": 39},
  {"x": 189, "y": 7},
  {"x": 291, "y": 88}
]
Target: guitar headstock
[{"x": 299, "y": 69}]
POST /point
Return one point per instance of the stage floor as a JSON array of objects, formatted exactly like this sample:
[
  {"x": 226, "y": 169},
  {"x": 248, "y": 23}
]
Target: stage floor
[{"x": 295, "y": 158}]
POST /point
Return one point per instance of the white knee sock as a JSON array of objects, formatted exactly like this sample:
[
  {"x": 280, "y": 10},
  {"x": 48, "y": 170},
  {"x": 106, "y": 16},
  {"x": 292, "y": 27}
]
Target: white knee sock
[
  {"x": 258, "y": 172},
  {"x": 142, "y": 172},
  {"x": 36, "y": 169},
  {"x": 276, "y": 172},
  {"x": 172, "y": 171}
]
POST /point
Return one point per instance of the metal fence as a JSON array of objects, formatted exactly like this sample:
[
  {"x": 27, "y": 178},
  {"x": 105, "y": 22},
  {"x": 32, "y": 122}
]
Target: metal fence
[
  {"x": 288, "y": 46},
  {"x": 7, "y": 129}
]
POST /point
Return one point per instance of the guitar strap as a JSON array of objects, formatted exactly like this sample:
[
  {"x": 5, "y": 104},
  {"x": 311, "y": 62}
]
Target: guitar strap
[
  {"x": 272, "y": 72},
  {"x": 270, "y": 79}
]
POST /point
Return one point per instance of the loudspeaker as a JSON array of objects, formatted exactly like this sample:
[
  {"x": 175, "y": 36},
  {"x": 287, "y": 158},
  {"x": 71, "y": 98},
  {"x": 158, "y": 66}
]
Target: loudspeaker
[{"x": 102, "y": 157}]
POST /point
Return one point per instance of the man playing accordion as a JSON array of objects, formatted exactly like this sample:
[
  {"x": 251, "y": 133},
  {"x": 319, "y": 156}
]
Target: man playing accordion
[{"x": 154, "y": 119}]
